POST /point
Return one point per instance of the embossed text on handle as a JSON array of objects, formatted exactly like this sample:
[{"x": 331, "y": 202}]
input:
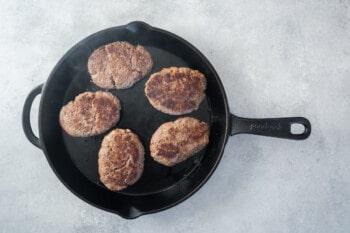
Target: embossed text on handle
[{"x": 266, "y": 126}]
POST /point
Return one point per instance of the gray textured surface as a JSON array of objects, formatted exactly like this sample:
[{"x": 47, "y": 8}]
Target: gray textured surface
[{"x": 274, "y": 58}]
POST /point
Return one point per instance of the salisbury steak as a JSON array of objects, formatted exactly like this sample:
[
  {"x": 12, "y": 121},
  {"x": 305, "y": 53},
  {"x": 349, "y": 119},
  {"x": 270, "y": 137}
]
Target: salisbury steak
[
  {"x": 176, "y": 91},
  {"x": 119, "y": 65},
  {"x": 90, "y": 113},
  {"x": 174, "y": 142},
  {"x": 120, "y": 159}
]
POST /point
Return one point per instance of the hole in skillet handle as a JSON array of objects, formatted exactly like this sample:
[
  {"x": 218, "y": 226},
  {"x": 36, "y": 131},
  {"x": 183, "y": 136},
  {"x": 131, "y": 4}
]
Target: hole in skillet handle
[{"x": 297, "y": 129}]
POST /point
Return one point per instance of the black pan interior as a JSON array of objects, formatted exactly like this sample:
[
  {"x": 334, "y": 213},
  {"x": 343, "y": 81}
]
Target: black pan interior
[
  {"x": 139, "y": 116},
  {"x": 75, "y": 159}
]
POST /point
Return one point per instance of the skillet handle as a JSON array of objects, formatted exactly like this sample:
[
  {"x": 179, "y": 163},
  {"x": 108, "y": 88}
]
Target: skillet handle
[
  {"x": 27, "y": 128},
  {"x": 272, "y": 127}
]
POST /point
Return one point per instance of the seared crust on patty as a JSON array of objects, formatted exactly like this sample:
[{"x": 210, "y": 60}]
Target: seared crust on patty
[
  {"x": 176, "y": 91},
  {"x": 120, "y": 159},
  {"x": 174, "y": 142},
  {"x": 90, "y": 113},
  {"x": 119, "y": 65}
]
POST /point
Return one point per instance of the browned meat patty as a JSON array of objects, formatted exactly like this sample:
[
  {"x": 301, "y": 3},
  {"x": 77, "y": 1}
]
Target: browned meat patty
[
  {"x": 119, "y": 65},
  {"x": 174, "y": 142},
  {"x": 176, "y": 91},
  {"x": 90, "y": 113},
  {"x": 120, "y": 159}
]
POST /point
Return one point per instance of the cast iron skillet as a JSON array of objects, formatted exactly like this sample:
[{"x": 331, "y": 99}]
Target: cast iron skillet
[{"x": 74, "y": 160}]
